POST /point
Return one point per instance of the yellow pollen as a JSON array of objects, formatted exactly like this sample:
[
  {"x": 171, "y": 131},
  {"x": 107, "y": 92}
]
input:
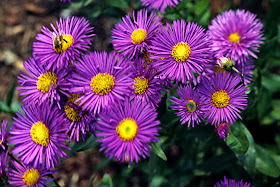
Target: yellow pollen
[
  {"x": 138, "y": 36},
  {"x": 234, "y": 37},
  {"x": 62, "y": 42},
  {"x": 181, "y": 51},
  {"x": 102, "y": 83},
  {"x": 127, "y": 129},
  {"x": 220, "y": 98},
  {"x": 31, "y": 177},
  {"x": 148, "y": 60},
  {"x": 45, "y": 81},
  {"x": 140, "y": 85},
  {"x": 40, "y": 134},
  {"x": 191, "y": 106},
  {"x": 71, "y": 113}
]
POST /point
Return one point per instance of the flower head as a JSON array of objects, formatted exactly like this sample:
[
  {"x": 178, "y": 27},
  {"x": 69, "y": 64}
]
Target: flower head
[
  {"x": 60, "y": 47},
  {"x": 40, "y": 85},
  {"x": 4, "y": 133},
  {"x": 28, "y": 175},
  {"x": 182, "y": 49},
  {"x": 126, "y": 130},
  {"x": 224, "y": 98},
  {"x": 231, "y": 183},
  {"x": 3, "y": 163},
  {"x": 102, "y": 79},
  {"x": 131, "y": 37},
  {"x": 190, "y": 106},
  {"x": 39, "y": 135},
  {"x": 235, "y": 34},
  {"x": 159, "y": 4}
]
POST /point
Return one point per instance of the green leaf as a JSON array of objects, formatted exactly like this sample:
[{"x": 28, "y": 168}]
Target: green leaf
[
  {"x": 83, "y": 146},
  {"x": 265, "y": 163},
  {"x": 79, "y": 4},
  {"x": 158, "y": 151},
  {"x": 106, "y": 181},
  {"x": 122, "y": 4}
]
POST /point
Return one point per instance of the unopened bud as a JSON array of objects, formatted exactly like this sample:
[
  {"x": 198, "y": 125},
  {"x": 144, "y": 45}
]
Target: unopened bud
[
  {"x": 225, "y": 63},
  {"x": 223, "y": 130}
]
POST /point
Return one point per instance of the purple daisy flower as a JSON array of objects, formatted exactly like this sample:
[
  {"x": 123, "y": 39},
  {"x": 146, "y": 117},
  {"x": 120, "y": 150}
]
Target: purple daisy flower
[
  {"x": 131, "y": 37},
  {"x": 60, "y": 47},
  {"x": 40, "y": 85},
  {"x": 3, "y": 163},
  {"x": 27, "y": 175},
  {"x": 231, "y": 183},
  {"x": 183, "y": 50},
  {"x": 4, "y": 133},
  {"x": 224, "y": 98},
  {"x": 102, "y": 79},
  {"x": 76, "y": 119},
  {"x": 146, "y": 84},
  {"x": 236, "y": 34},
  {"x": 39, "y": 134},
  {"x": 126, "y": 130},
  {"x": 159, "y": 4},
  {"x": 190, "y": 105}
]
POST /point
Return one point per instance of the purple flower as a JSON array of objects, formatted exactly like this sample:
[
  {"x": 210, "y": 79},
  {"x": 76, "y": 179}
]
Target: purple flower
[
  {"x": 181, "y": 49},
  {"x": 131, "y": 37},
  {"x": 27, "y": 175},
  {"x": 126, "y": 130},
  {"x": 102, "y": 79},
  {"x": 4, "y": 133},
  {"x": 159, "y": 4},
  {"x": 223, "y": 130},
  {"x": 3, "y": 163},
  {"x": 39, "y": 134},
  {"x": 190, "y": 105},
  {"x": 224, "y": 98},
  {"x": 60, "y": 47},
  {"x": 146, "y": 84},
  {"x": 231, "y": 183},
  {"x": 236, "y": 34},
  {"x": 40, "y": 85},
  {"x": 65, "y": 1},
  {"x": 76, "y": 119}
]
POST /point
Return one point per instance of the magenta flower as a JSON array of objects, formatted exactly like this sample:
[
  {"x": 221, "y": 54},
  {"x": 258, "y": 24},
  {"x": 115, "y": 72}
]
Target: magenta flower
[
  {"x": 126, "y": 130},
  {"x": 3, "y": 163},
  {"x": 131, "y": 37},
  {"x": 236, "y": 34},
  {"x": 159, "y": 4},
  {"x": 231, "y": 183},
  {"x": 180, "y": 50},
  {"x": 4, "y": 133},
  {"x": 60, "y": 47}
]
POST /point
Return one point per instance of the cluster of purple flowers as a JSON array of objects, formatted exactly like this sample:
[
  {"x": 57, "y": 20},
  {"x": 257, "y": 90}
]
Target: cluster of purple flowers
[{"x": 69, "y": 94}]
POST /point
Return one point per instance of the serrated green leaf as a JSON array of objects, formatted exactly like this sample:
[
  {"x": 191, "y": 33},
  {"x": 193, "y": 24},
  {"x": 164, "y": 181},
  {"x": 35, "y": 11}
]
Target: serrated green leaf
[
  {"x": 158, "y": 151},
  {"x": 122, "y": 4},
  {"x": 106, "y": 181}
]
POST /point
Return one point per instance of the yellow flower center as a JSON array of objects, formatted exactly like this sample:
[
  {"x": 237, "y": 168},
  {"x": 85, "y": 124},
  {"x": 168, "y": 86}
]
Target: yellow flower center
[
  {"x": 191, "y": 106},
  {"x": 138, "y": 36},
  {"x": 148, "y": 60},
  {"x": 127, "y": 129},
  {"x": 140, "y": 85},
  {"x": 31, "y": 177},
  {"x": 73, "y": 115},
  {"x": 181, "y": 51},
  {"x": 62, "y": 42},
  {"x": 102, "y": 83},
  {"x": 220, "y": 98},
  {"x": 45, "y": 81},
  {"x": 40, "y": 134},
  {"x": 234, "y": 37}
]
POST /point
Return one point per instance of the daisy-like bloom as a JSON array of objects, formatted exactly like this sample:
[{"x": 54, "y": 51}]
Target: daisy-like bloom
[
  {"x": 126, "y": 130},
  {"x": 39, "y": 135},
  {"x": 183, "y": 50},
  {"x": 3, "y": 164},
  {"x": 223, "y": 130},
  {"x": 159, "y": 4},
  {"x": 231, "y": 183},
  {"x": 77, "y": 119},
  {"x": 4, "y": 133},
  {"x": 236, "y": 34},
  {"x": 224, "y": 98},
  {"x": 133, "y": 36},
  {"x": 60, "y": 47},
  {"x": 146, "y": 84},
  {"x": 28, "y": 175},
  {"x": 190, "y": 105},
  {"x": 40, "y": 85},
  {"x": 102, "y": 79}
]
